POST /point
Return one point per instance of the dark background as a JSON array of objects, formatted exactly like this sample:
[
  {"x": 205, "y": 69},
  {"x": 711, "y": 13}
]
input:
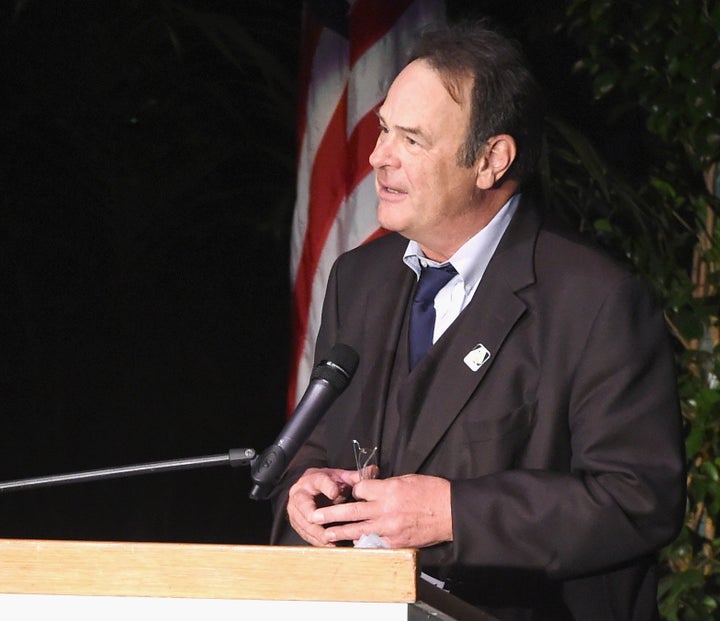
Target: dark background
[{"x": 146, "y": 191}]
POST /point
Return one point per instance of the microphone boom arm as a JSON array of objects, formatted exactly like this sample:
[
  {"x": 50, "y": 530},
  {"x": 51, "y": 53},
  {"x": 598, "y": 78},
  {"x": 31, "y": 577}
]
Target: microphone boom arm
[{"x": 234, "y": 458}]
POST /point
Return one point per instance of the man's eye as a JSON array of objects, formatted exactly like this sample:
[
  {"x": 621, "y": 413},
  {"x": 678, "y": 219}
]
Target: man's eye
[{"x": 410, "y": 141}]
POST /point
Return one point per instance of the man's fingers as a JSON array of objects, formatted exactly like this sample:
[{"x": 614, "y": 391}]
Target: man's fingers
[{"x": 346, "y": 512}]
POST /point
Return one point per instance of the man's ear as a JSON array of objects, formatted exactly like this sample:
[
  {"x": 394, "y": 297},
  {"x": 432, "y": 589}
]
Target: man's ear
[{"x": 495, "y": 160}]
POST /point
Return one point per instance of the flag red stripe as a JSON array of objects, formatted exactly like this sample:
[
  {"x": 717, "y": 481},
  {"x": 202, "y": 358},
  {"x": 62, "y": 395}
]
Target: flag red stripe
[{"x": 328, "y": 188}]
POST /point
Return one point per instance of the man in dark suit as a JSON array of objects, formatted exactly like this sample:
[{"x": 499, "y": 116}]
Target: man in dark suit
[{"x": 534, "y": 453}]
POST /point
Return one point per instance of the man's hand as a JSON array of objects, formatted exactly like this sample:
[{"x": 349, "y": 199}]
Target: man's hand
[
  {"x": 411, "y": 511},
  {"x": 315, "y": 488}
]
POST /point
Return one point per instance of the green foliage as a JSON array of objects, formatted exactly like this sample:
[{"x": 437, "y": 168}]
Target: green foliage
[
  {"x": 664, "y": 53},
  {"x": 660, "y": 58}
]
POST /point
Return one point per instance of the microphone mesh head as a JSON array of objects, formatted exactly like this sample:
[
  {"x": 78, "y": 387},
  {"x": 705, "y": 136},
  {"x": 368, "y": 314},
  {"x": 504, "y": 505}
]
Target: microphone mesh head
[{"x": 338, "y": 366}]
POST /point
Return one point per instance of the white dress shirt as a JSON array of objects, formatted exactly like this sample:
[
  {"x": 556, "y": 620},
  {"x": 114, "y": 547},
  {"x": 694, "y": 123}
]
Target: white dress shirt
[{"x": 470, "y": 262}]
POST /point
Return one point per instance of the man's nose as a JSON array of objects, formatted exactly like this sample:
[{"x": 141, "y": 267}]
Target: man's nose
[{"x": 383, "y": 153}]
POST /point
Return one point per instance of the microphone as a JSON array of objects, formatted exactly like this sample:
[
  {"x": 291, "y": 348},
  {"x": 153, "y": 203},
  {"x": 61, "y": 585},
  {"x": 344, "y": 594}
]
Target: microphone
[{"x": 328, "y": 380}]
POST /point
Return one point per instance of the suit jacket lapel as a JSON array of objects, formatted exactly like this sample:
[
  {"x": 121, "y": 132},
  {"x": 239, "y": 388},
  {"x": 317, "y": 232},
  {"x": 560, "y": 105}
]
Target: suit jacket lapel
[{"x": 442, "y": 383}]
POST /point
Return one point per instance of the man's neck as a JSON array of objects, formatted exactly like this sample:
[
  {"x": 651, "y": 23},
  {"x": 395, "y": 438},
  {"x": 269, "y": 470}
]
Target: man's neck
[{"x": 489, "y": 204}]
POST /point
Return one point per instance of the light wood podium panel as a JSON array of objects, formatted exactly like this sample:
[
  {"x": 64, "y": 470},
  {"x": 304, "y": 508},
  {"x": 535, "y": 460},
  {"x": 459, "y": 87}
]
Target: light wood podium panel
[{"x": 120, "y": 580}]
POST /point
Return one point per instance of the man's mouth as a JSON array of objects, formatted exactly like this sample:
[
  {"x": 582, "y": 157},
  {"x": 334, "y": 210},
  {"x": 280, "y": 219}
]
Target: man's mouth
[{"x": 391, "y": 190}]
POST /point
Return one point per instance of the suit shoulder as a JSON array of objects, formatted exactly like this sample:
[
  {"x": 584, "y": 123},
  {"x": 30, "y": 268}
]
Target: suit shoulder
[
  {"x": 388, "y": 247},
  {"x": 570, "y": 265},
  {"x": 561, "y": 248}
]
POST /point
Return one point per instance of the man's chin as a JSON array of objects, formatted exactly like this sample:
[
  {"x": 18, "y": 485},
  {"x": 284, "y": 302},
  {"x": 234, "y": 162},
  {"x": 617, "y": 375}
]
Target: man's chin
[
  {"x": 388, "y": 219},
  {"x": 392, "y": 228}
]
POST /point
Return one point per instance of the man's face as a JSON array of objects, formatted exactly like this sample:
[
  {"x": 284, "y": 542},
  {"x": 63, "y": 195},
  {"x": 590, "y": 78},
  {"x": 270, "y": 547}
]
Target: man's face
[{"x": 423, "y": 192}]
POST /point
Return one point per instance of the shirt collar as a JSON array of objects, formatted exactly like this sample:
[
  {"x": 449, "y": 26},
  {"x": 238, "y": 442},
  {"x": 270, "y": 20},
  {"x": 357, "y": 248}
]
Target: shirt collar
[{"x": 472, "y": 258}]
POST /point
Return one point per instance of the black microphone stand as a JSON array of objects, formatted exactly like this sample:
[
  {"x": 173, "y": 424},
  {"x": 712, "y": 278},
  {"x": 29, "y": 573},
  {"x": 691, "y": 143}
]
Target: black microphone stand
[{"x": 234, "y": 457}]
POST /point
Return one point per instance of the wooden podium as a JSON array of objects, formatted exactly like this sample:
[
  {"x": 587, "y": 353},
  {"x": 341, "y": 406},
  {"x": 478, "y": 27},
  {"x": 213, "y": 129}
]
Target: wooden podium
[{"x": 117, "y": 580}]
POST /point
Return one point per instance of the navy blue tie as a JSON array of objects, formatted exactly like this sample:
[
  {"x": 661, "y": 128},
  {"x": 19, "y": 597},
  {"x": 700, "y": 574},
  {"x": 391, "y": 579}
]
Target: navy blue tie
[{"x": 422, "y": 315}]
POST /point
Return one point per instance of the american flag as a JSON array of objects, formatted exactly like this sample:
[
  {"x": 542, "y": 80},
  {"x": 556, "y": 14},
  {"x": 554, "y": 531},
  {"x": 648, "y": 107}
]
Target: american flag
[{"x": 351, "y": 52}]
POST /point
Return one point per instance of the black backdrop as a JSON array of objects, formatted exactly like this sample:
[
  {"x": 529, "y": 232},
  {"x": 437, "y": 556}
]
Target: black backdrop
[{"x": 145, "y": 184}]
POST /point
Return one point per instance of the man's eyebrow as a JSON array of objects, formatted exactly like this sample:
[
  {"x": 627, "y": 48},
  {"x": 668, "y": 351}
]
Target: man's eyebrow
[{"x": 414, "y": 131}]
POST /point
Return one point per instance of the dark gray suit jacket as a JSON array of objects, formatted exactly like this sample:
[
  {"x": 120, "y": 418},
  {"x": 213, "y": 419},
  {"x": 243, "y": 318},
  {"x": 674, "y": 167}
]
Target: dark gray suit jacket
[{"x": 564, "y": 449}]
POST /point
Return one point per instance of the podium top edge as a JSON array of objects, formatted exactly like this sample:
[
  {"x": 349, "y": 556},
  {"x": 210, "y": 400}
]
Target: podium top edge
[{"x": 207, "y": 570}]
